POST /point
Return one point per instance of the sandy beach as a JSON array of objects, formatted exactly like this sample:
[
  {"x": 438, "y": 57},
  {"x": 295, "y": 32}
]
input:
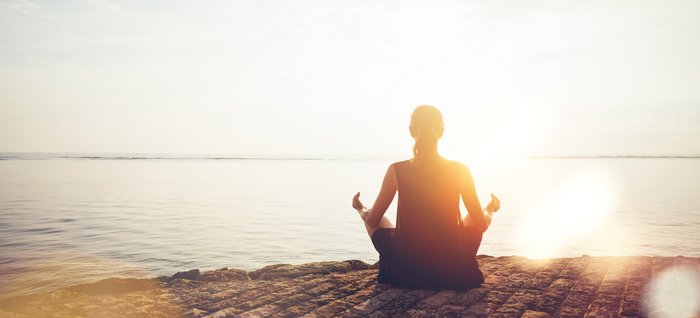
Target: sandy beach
[{"x": 514, "y": 287}]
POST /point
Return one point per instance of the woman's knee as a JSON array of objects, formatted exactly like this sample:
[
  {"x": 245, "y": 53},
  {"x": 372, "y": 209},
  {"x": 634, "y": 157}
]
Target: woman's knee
[{"x": 472, "y": 238}]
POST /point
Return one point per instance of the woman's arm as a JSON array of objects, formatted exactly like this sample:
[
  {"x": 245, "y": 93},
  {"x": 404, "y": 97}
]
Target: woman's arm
[
  {"x": 481, "y": 218},
  {"x": 384, "y": 198}
]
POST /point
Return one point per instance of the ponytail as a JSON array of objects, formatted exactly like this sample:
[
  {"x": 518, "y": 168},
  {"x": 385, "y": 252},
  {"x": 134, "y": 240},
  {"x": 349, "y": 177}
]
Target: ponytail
[
  {"x": 427, "y": 127},
  {"x": 426, "y": 142}
]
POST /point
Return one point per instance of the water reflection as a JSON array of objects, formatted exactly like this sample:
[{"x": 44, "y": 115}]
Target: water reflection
[{"x": 574, "y": 211}]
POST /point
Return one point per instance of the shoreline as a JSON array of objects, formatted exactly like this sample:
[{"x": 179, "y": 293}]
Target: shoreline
[{"x": 514, "y": 287}]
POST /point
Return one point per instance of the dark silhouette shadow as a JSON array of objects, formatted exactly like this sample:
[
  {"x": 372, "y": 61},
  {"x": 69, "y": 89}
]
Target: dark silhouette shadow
[{"x": 431, "y": 246}]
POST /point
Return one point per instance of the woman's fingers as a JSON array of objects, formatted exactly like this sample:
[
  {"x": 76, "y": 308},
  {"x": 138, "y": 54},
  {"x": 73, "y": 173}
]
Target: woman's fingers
[
  {"x": 496, "y": 202},
  {"x": 356, "y": 201}
]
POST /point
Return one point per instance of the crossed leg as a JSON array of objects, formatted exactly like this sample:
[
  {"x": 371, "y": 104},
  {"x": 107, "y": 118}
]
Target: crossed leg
[
  {"x": 488, "y": 217},
  {"x": 384, "y": 223}
]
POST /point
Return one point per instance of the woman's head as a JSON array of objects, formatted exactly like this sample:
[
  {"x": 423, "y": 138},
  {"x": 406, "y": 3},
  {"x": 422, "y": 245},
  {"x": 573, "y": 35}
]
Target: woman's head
[{"x": 426, "y": 128}]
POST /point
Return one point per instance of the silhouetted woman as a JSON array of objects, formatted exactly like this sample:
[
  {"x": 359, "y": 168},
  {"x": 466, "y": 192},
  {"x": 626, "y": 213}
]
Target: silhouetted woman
[{"x": 431, "y": 246}]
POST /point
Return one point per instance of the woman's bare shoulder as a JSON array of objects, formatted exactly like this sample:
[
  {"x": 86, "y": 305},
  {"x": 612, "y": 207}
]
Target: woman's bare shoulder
[
  {"x": 463, "y": 168},
  {"x": 398, "y": 163}
]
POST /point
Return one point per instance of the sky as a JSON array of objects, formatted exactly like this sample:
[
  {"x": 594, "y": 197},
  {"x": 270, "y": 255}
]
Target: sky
[{"x": 341, "y": 78}]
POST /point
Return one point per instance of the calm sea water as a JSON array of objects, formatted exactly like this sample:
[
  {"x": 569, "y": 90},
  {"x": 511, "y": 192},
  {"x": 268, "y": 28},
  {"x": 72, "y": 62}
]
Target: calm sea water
[{"x": 70, "y": 220}]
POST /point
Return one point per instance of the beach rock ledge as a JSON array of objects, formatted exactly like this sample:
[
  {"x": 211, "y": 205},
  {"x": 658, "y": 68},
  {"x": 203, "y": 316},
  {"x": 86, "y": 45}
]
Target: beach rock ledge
[{"x": 514, "y": 287}]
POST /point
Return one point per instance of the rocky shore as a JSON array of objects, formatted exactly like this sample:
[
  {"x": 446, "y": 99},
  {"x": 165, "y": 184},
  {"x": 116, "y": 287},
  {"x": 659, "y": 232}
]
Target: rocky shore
[{"x": 515, "y": 287}]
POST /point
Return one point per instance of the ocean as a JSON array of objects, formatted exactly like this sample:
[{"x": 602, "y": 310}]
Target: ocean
[{"x": 68, "y": 219}]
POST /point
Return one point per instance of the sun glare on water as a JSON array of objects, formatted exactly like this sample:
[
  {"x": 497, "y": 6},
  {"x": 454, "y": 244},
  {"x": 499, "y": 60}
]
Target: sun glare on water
[
  {"x": 574, "y": 211},
  {"x": 553, "y": 219}
]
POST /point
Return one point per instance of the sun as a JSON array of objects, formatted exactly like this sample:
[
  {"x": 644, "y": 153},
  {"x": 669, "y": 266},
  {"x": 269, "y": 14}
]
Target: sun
[{"x": 510, "y": 138}]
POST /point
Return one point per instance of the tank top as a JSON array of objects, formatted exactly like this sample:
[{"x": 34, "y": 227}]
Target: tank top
[{"x": 431, "y": 251}]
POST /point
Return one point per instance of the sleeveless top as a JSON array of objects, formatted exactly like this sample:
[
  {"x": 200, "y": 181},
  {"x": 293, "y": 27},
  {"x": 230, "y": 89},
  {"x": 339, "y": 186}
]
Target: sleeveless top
[{"x": 430, "y": 242}]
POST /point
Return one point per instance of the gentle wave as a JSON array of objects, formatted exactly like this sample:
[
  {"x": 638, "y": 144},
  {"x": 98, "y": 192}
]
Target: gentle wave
[
  {"x": 69, "y": 221},
  {"x": 172, "y": 157}
]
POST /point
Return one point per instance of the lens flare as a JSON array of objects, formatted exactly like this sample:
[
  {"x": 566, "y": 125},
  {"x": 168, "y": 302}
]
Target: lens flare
[
  {"x": 675, "y": 292},
  {"x": 571, "y": 213}
]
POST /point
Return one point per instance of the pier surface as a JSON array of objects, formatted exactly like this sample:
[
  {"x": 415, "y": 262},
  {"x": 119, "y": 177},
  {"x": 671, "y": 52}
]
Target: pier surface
[{"x": 514, "y": 287}]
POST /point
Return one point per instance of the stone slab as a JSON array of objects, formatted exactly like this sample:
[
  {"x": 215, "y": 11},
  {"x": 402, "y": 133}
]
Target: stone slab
[{"x": 515, "y": 287}]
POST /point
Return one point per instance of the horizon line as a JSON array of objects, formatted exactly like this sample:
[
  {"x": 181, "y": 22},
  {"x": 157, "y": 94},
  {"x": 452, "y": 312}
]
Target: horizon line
[{"x": 184, "y": 156}]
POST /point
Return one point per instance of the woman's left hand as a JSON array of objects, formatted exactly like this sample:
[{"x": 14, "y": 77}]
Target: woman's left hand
[{"x": 494, "y": 205}]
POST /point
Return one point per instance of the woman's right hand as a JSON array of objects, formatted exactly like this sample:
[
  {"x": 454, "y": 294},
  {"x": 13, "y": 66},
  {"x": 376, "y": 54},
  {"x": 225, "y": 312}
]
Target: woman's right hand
[
  {"x": 494, "y": 205},
  {"x": 357, "y": 204}
]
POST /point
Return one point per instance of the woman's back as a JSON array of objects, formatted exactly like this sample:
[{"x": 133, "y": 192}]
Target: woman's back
[
  {"x": 431, "y": 251},
  {"x": 430, "y": 246},
  {"x": 428, "y": 202}
]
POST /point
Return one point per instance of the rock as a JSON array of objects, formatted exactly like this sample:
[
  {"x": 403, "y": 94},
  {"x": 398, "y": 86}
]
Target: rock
[
  {"x": 224, "y": 275},
  {"x": 360, "y": 265},
  {"x": 291, "y": 271},
  {"x": 197, "y": 313},
  {"x": 535, "y": 314},
  {"x": 162, "y": 279},
  {"x": 190, "y": 274},
  {"x": 270, "y": 268},
  {"x": 515, "y": 287}
]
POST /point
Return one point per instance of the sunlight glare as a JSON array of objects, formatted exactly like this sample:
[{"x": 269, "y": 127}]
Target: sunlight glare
[
  {"x": 511, "y": 140},
  {"x": 573, "y": 212},
  {"x": 675, "y": 292}
]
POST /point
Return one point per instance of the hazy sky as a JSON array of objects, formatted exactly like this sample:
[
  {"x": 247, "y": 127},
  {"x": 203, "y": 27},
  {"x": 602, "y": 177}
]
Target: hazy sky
[{"x": 342, "y": 77}]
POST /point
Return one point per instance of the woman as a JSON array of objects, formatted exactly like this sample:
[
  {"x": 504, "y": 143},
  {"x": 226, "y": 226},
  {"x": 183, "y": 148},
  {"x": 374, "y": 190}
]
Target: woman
[{"x": 431, "y": 246}]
